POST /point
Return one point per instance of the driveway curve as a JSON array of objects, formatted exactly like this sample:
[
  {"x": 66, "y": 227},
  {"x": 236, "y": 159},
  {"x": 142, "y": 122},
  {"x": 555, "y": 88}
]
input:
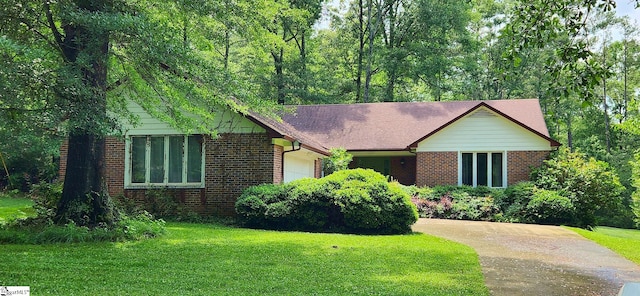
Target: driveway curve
[{"x": 525, "y": 259}]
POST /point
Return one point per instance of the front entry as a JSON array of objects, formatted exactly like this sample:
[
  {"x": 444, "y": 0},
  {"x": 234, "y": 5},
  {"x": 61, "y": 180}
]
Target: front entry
[{"x": 400, "y": 168}]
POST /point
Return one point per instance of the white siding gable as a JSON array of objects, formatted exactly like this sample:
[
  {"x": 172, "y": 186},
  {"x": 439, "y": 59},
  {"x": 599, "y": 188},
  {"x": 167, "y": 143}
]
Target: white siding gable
[
  {"x": 484, "y": 130},
  {"x": 226, "y": 121}
]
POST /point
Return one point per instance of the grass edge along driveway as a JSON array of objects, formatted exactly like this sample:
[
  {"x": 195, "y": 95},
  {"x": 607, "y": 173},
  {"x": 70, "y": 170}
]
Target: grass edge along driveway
[
  {"x": 204, "y": 259},
  {"x": 625, "y": 242}
]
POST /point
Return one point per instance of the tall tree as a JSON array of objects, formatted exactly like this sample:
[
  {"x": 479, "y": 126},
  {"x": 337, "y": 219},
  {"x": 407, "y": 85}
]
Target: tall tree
[
  {"x": 535, "y": 22},
  {"x": 94, "y": 56},
  {"x": 293, "y": 25},
  {"x": 440, "y": 44}
]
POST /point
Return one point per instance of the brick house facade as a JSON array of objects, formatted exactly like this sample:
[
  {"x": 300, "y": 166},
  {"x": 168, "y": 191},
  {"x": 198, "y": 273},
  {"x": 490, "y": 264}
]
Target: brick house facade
[
  {"x": 233, "y": 162},
  {"x": 437, "y": 168},
  {"x": 414, "y": 143},
  {"x": 520, "y": 163}
]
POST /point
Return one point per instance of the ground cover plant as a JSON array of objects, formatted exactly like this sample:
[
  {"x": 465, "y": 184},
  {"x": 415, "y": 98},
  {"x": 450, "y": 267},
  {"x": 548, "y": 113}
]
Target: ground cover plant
[
  {"x": 28, "y": 219},
  {"x": 625, "y": 242},
  {"x": 204, "y": 259}
]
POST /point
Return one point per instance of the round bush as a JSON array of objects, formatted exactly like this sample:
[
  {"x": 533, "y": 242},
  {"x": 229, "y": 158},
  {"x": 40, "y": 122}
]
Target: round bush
[
  {"x": 312, "y": 208},
  {"x": 351, "y": 201},
  {"x": 549, "y": 207},
  {"x": 262, "y": 206}
]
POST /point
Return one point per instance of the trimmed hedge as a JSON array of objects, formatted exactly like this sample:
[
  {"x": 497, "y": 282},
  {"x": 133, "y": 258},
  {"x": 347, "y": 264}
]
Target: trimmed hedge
[{"x": 348, "y": 201}]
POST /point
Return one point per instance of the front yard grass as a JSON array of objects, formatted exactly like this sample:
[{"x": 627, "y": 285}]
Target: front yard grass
[
  {"x": 625, "y": 242},
  {"x": 14, "y": 207},
  {"x": 205, "y": 259}
]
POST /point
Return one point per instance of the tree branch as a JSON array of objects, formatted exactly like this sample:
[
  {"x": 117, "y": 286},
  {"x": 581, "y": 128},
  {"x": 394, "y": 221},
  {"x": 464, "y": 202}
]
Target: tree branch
[
  {"x": 118, "y": 82},
  {"x": 14, "y": 109},
  {"x": 52, "y": 25}
]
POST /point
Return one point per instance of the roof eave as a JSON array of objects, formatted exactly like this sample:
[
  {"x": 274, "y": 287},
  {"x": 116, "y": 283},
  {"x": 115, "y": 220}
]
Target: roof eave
[{"x": 274, "y": 133}]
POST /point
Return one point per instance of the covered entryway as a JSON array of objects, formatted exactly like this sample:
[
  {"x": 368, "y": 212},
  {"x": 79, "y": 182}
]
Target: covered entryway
[{"x": 401, "y": 168}]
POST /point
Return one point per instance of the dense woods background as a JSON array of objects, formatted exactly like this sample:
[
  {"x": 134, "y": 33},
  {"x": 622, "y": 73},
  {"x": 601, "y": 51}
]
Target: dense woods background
[{"x": 63, "y": 62}]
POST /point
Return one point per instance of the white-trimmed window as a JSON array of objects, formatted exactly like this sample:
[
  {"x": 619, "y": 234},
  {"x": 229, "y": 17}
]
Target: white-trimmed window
[
  {"x": 482, "y": 169},
  {"x": 169, "y": 160}
]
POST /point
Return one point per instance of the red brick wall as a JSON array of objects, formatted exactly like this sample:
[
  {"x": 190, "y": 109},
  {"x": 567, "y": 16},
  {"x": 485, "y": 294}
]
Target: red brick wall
[
  {"x": 277, "y": 164},
  {"x": 519, "y": 164},
  {"x": 403, "y": 169},
  {"x": 233, "y": 163},
  {"x": 441, "y": 168},
  {"x": 436, "y": 168},
  {"x": 114, "y": 165},
  {"x": 64, "y": 151}
]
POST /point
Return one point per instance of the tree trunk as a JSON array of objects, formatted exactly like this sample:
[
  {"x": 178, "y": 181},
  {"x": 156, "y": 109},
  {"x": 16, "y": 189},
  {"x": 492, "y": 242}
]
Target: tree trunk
[
  {"x": 625, "y": 70},
  {"x": 84, "y": 200},
  {"x": 279, "y": 79},
  {"x": 569, "y": 133},
  {"x": 227, "y": 48},
  {"x": 391, "y": 85},
  {"x": 392, "y": 55},
  {"x": 361, "y": 40},
  {"x": 372, "y": 31},
  {"x": 303, "y": 64},
  {"x": 607, "y": 133}
]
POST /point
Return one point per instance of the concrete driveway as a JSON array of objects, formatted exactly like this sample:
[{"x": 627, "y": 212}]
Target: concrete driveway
[{"x": 524, "y": 259}]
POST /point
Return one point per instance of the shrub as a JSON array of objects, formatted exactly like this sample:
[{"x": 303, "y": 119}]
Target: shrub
[
  {"x": 313, "y": 206},
  {"x": 467, "y": 207},
  {"x": 418, "y": 192},
  {"x": 590, "y": 184},
  {"x": 513, "y": 203},
  {"x": 255, "y": 207},
  {"x": 522, "y": 202},
  {"x": 433, "y": 209},
  {"x": 161, "y": 203},
  {"x": 455, "y": 202},
  {"x": 46, "y": 197},
  {"x": 549, "y": 207},
  {"x": 353, "y": 201},
  {"x": 338, "y": 161}
]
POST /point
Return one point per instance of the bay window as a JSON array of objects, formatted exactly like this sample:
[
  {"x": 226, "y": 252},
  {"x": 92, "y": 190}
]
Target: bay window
[{"x": 175, "y": 160}]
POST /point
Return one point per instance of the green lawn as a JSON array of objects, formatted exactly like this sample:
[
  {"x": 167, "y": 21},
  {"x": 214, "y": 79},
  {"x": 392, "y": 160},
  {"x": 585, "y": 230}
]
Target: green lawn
[
  {"x": 11, "y": 207},
  {"x": 625, "y": 242},
  {"x": 205, "y": 259}
]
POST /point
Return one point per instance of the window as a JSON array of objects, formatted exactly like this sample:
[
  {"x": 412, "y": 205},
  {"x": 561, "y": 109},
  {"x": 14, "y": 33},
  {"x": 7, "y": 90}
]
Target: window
[
  {"x": 482, "y": 169},
  {"x": 166, "y": 160}
]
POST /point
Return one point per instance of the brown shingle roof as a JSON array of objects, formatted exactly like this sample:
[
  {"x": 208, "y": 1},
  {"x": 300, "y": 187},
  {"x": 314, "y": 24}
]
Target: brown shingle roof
[
  {"x": 284, "y": 130},
  {"x": 396, "y": 126}
]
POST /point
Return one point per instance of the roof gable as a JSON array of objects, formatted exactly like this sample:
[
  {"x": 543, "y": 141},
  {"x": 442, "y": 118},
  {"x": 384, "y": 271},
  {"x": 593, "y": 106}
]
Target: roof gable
[
  {"x": 401, "y": 126},
  {"x": 482, "y": 130},
  {"x": 531, "y": 119}
]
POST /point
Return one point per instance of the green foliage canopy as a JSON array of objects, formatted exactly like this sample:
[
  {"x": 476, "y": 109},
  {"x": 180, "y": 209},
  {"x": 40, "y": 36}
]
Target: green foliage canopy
[{"x": 590, "y": 184}]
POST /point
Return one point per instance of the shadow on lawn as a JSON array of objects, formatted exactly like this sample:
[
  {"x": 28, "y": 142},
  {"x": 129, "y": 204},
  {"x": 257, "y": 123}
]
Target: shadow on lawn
[{"x": 206, "y": 260}]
